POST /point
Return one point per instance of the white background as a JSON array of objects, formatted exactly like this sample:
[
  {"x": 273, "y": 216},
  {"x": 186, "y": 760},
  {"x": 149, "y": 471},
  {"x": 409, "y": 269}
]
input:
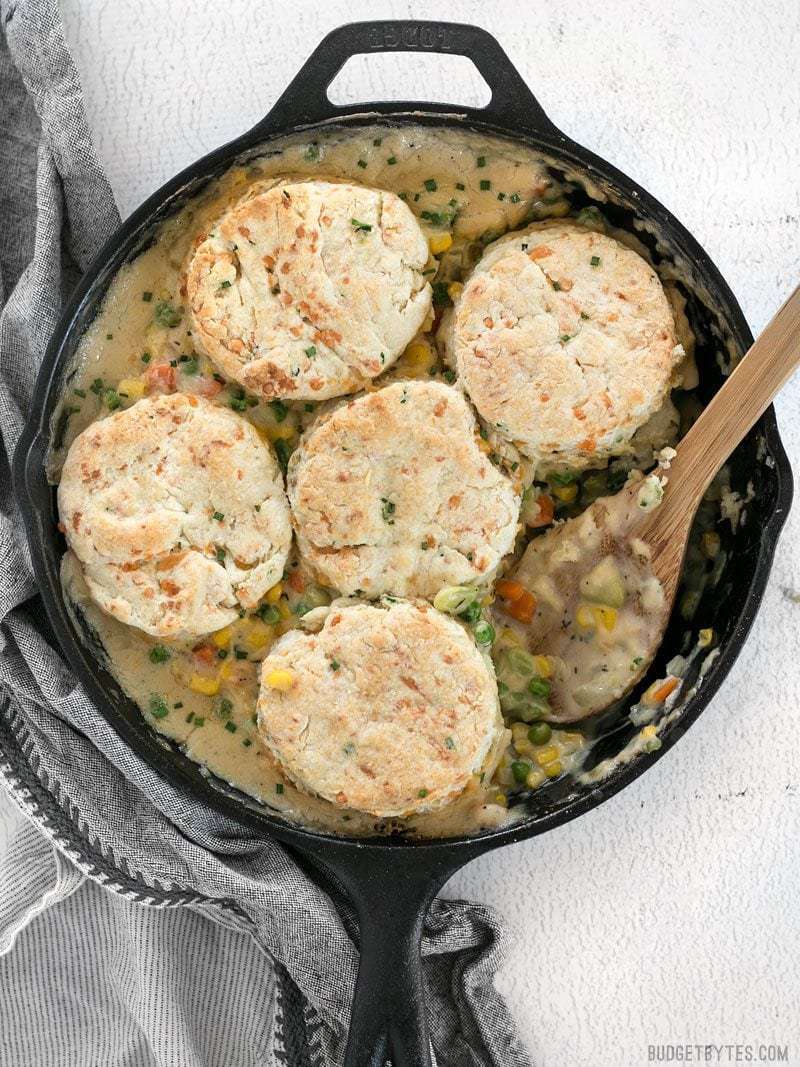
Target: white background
[{"x": 671, "y": 913}]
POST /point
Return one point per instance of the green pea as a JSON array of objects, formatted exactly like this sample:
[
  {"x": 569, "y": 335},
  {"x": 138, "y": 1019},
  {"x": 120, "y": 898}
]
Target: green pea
[
  {"x": 540, "y": 733},
  {"x": 484, "y": 633},
  {"x": 538, "y": 687},
  {"x": 531, "y": 710},
  {"x": 520, "y": 769},
  {"x": 472, "y": 613},
  {"x": 520, "y": 661}
]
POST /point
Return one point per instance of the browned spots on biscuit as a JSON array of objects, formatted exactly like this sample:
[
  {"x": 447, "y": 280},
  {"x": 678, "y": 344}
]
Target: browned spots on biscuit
[
  {"x": 243, "y": 230},
  {"x": 488, "y": 322},
  {"x": 169, "y": 587},
  {"x": 300, "y": 231},
  {"x": 328, "y": 337},
  {"x": 440, "y": 408},
  {"x": 579, "y": 413},
  {"x": 540, "y": 252},
  {"x": 587, "y": 445},
  {"x": 236, "y": 345},
  {"x": 76, "y": 520},
  {"x": 454, "y": 500},
  {"x": 316, "y": 384},
  {"x": 268, "y": 262}
]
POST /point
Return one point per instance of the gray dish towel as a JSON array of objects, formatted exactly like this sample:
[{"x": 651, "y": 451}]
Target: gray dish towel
[{"x": 137, "y": 929}]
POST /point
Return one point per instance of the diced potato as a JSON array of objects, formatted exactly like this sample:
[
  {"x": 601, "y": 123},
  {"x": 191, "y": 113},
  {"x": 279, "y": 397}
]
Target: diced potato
[
  {"x": 257, "y": 634},
  {"x": 222, "y": 637},
  {"x": 132, "y": 388},
  {"x": 603, "y": 584}
]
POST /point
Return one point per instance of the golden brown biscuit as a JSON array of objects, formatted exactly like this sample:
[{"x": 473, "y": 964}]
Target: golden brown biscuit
[
  {"x": 387, "y": 709},
  {"x": 390, "y": 493},
  {"x": 565, "y": 342},
  {"x": 307, "y": 290},
  {"x": 176, "y": 510}
]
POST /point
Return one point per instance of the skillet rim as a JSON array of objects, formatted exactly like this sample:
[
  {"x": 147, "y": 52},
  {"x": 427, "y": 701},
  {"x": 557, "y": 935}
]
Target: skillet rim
[{"x": 32, "y": 447}]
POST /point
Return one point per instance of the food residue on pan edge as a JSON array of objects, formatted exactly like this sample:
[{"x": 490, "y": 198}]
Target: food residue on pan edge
[{"x": 466, "y": 191}]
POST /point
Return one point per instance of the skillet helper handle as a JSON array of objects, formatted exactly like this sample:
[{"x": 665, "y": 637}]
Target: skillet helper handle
[{"x": 306, "y": 98}]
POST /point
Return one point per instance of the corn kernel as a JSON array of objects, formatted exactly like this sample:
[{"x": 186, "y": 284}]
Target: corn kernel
[
  {"x": 649, "y": 731},
  {"x": 222, "y": 637},
  {"x": 584, "y": 617},
  {"x": 281, "y": 432},
  {"x": 132, "y": 388},
  {"x": 418, "y": 354},
  {"x": 201, "y": 683},
  {"x": 566, "y": 493},
  {"x": 606, "y": 617},
  {"x": 257, "y": 634},
  {"x": 280, "y": 679},
  {"x": 709, "y": 544},
  {"x": 546, "y": 755},
  {"x": 571, "y": 742},
  {"x": 454, "y": 290},
  {"x": 543, "y": 666},
  {"x": 440, "y": 243},
  {"x": 705, "y": 637},
  {"x": 535, "y": 778},
  {"x": 273, "y": 595},
  {"x": 501, "y": 799},
  {"x": 552, "y": 770},
  {"x": 285, "y": 610}
]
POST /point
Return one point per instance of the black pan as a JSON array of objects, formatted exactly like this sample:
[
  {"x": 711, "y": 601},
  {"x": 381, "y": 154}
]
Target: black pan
[{"x": 392, "y": 880}]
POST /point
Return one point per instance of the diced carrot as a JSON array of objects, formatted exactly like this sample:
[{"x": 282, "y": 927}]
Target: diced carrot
[
  {"x": 522, "y": 609},
  {"x": 205, "y": 653},
  {"x": 160, "y": 378},
  {"x": 545, "y": 516},
  {"x": 296, "y": 581},
  {"x": 208, "y": 387},
  {"x": 663, "y": 691},
  {"x": 509, "y": 590}
]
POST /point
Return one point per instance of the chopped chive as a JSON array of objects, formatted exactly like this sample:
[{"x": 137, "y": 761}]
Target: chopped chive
[
  {"x": 430, "y": 185},
  {"x": 311, "y": 351},
  {"x": 279, "y": 787},
  {"x": 79, "y": 392},
  {"x": 220, "y": 555},
  {"x": 501, "y": 196},
  {"x": 335, "y": 665},
  {"x": 240, "y": 653},
  {"x": 378, "y": 141},
  {"x": 312, "y": 153},
  {"x": 360, "y": 227},
  {"x": 222, "y": 653},
  {"x": 362, "y": 163},
  {"x": 109, "y": 336},
  {"x": 449, "y": 375},
  {"x": 199, "y": 720},
  {"x": 595, "y": 261},
  {"x": 224, "y": 285},
  {"x": 441, "y": 297},
  {"x": 247, "y": 742},
  {"x": 190, "y": 366},
  {"x": 112, "y": 399},
  {"x": 449, "y": 743},
  {"x": 231, "y": 727},
  {"x": 557, "y": 286},
  {"x": 481, "y": 161},
  {"x": 283, "y": 452},
  {"x": 485, "y": 185},
  {"x": 391, "y": 160},
  {"x": 460, "y": 185},
  {"x": 97, "y": 386},
  {"x": 146, "y": 357},
  {"x": 388, "y": 509},
  {"x": 159, "y": 654},
  {"x": 178, "y": 704},
  {"x": 147, "y": 296},
  {"x": 422, "y": 793},
  {"x": 190, "y": 716},
  {"x": 515, "y": 198}
]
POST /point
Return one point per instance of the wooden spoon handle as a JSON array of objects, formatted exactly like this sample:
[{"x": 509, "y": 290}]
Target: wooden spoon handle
[{"x": 734, "y": 409}]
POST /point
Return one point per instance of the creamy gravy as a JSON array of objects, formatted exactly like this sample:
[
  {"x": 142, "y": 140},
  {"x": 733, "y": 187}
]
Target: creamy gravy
[{"x": 466, "y": 190}]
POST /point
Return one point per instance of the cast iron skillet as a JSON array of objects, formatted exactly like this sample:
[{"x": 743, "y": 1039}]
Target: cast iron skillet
[{"x": 391, "y": 881}]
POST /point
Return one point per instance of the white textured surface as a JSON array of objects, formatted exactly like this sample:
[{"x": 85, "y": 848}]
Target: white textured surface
[{"x": 671, "y": 913}]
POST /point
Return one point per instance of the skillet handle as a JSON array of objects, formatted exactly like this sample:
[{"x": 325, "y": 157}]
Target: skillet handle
[
  {"x": 305, "y": 100},
  {"x": 390, "y": 889}
]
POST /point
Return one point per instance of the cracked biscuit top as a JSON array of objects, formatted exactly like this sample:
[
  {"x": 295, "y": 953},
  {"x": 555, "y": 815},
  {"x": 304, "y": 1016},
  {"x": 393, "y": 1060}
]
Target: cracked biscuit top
[{"x": 306, "y": 290}]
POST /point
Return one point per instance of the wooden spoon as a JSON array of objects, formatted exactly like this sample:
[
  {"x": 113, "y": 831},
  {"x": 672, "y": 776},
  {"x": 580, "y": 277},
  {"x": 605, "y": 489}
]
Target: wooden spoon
[
  {"x": 596, "y": 661},
  {"x": 723, "y": 425}
]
